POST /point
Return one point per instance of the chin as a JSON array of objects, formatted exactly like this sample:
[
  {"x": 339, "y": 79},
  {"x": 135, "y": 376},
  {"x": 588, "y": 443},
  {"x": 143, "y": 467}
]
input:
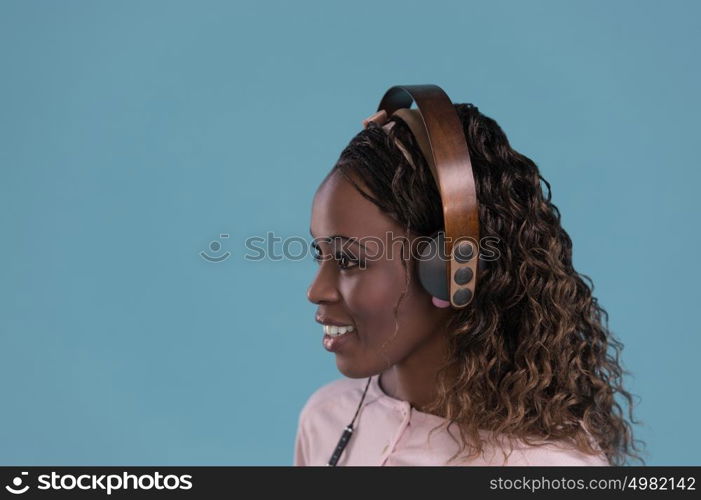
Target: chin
[{"x": 354, "y": 370}]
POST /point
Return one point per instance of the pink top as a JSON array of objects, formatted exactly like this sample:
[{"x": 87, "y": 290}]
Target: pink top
[{"x": 388, "y": 431}]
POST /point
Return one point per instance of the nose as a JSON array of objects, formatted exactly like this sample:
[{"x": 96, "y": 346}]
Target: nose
[{"x": 324, "y": 287}]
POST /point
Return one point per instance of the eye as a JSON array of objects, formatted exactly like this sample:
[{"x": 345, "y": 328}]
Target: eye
[
  {"x": 317, "y": 254},
  {"x": 345, "y": 262}
]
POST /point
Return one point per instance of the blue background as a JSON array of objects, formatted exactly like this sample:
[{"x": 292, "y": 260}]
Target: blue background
[{"x": 132, "y": 134}]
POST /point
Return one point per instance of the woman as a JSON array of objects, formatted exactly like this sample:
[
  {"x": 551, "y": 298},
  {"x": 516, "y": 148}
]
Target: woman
[{"x": 522, "y": 376}]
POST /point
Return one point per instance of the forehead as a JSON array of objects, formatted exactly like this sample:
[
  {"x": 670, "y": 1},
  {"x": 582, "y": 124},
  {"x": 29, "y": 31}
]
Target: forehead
[{"x": 338, "y": 208}]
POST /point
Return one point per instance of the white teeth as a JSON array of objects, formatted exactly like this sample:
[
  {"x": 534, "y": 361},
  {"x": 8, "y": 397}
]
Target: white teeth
[{"x": 335, "y": 331}]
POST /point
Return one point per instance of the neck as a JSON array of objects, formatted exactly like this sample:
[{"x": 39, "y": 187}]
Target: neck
[{"x": 414, "y": 379}]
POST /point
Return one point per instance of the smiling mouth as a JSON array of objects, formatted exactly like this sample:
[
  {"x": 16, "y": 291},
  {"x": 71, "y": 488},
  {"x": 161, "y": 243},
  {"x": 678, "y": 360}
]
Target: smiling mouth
[{"x": 337, "y": 331}]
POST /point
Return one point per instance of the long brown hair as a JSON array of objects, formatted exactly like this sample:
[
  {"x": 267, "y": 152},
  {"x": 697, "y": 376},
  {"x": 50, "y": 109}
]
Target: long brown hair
[{"x": 532, "y": 357}]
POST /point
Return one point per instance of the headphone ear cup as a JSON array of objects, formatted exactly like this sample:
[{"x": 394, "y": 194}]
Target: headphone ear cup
[{"x": 432, "y": 268}]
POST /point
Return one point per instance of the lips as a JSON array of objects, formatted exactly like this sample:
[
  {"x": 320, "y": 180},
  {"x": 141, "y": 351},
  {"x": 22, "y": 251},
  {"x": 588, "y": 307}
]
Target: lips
[
  {"x": 336, "y": 332},
  {"x": 336, "y": 343},
  {"x": 325, "y": 320}
]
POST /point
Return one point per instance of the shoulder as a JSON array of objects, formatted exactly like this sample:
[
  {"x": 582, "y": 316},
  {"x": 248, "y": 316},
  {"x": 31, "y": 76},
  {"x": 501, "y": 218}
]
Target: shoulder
[
  {"x": 322, "y": 418},
  {"x": 554, "y": 454},
  {"x": 335, "y": 394}
]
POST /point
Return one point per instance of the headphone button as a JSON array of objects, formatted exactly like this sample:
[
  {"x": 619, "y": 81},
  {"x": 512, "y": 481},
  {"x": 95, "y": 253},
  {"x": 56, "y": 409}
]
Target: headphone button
[
  {"x": 463, "y": 252},
  {"x": 463, "y": 276},
  {"x": 462, "y": 296}
]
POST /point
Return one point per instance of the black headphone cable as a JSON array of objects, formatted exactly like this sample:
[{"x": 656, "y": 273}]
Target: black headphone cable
[{"x": 347, "y": 432}]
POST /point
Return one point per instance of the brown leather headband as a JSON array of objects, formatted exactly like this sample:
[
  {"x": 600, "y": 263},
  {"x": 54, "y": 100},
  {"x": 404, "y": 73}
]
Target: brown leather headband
[{"x": 439, "y": 133}]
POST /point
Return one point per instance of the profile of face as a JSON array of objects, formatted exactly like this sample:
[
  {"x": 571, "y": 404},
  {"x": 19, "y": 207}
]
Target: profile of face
[{"x": 352, "y": 289}]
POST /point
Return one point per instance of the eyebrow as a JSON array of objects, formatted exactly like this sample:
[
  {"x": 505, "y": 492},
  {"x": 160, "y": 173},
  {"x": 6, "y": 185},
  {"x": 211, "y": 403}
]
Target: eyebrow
[{"x": 341, "y": 236}]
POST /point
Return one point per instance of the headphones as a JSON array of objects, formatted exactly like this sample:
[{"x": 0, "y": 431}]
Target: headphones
[
  {"x": 438, "y": 130},
  {"x": 449, "y": 264}
]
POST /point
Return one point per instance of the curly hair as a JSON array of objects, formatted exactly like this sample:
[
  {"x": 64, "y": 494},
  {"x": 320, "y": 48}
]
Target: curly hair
[{"x": 530, "y": 358}]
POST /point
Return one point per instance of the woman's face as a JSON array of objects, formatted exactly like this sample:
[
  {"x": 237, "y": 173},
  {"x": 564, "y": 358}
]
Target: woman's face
[{"x": 349, "y": 294}]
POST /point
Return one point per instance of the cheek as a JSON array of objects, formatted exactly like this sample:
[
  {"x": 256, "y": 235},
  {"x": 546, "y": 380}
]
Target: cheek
[{"x": 372, "y": 295}]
